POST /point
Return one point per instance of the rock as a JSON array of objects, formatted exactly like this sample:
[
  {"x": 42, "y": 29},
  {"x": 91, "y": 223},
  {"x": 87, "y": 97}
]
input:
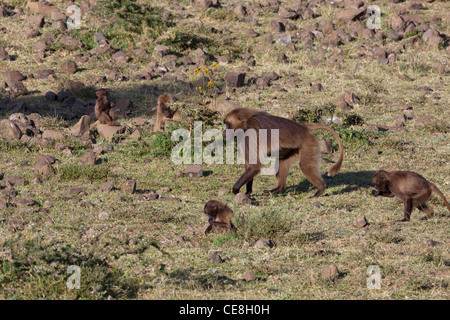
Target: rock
[
  {"x": 270, "y": 76},
  {"x": 37, "y": 20},
  {"x": 74, "y": 86},
  {"x": 32, "y": 33},
  {"x": 240, "y": 10},
  {"x": 90, "y": 157},
  {"x": 106, "y": 187},
  {"x": 330, "y": 272},
  {"x": 73, "y": 191},
  {"x": 433, "y": 243},
  {"x": 69, "y": 67},
  {"x": 161, "y": 51},
  {"x": 3, "y": 12},
  {"x": 397, "y": 22},
  {"x": 380, "y": 53},
  {"x": 52, "y": 135},
  {"x": 179, "y": 174},
  {"x": 242, "y": 198},
  {"x": 250, "y": 33},
  {"x": 51, "y": 96},
  {"x": 4, "y": 56},
  {"x": 428, "y": 121},
  {"x": 263, "y": 243},
  {"x": 277, "y": 26},
  {"x": 350, "y": 98},
  {"x": 103, "y": 215},
  {"x": 44, "y": 74},
  {"x": 287, "y": 13},
  {"x": 215, "y": 257},
  {"x": 42, "y": 8},
  {"x": 129, "y": 187},
  {"x": 81, "y": 127},
  {"x": 14, "y": 181},
  {"x": 110, "y": 132},
  {"x": 12, "y": 75},
  {"x": 70, "y": 43},
  {"x": 120, "y": 57},
  {"x": 234, "y": 79},
  {"x": 194, "y": 170},
  {"x": 316, "y": 87},
  {"x": 48, "y": 204},
  {"x": 249, "y": 276},
  {"x": 360, "y": 222},
  {"x": 347, "y": 15},
  {"x": 9, "y": 130},
  {"x": 45, "y": 159},
  {"x": 45, "y": 169},
  {"x": 17, "y": 88}
]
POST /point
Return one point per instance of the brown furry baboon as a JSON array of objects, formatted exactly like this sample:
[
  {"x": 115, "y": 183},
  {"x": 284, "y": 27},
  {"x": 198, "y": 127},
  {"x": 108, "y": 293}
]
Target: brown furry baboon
[
  {"x": 103, "y": 109},
  {"x": 296, "y": 143},
  {"x": 164, "y": 113},
  {"x": 410, "y": 187},
  {"x": 219, "y": 216}
]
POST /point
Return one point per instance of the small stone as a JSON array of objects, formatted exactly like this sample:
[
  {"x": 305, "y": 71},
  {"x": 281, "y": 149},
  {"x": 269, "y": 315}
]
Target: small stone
[
  {"x": 129, "y": 187},
  {"x": 330, "y": 272},
  {"x": 106, "y": 187},
  {"x": 90, "y": 157},
  {"x": 215, "y": 257},
  {"x": 263, "y": 243},
  {"x": 234, "y": 79},
  {"x": 45, "y": 169},
  {"x": 316, "y": 87},
  {"x": 48, "y": 204},
  {"x": 73, "y": 191},
  {"x": 433, "y": 243},
  {"x": 179, "y": 174},
  {"x": 249, "y": 276},
  {"x": 69, "y": 66},
  {"x": 360, "y": 222},
  {"x": 242, "y": 198},
  {"x": 194, "y": 170},
  {"x": 103, "y": 215},
  {"x": 81, "y": 127},
  {"x": 52, "y": 135}
]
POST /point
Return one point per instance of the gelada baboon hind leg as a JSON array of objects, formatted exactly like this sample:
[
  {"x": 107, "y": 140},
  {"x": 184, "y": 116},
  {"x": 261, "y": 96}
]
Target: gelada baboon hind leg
[
  {"x": 283, "y": 171},
  {"x": 309, "y": 164},
  {"x": 426, "y": 209}
]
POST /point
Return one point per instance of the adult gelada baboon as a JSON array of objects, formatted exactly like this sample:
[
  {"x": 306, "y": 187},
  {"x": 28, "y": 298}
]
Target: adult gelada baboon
[{"x": 296, "y": 143}]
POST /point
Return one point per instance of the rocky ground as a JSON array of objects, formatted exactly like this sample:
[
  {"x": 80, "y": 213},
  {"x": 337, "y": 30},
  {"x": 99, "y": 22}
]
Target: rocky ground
[{"x": 111, "y": 201}]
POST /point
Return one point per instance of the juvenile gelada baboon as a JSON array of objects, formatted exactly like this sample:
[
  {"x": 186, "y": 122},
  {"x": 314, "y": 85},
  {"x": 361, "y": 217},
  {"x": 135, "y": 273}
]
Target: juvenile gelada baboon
[
  {"x": 219, "y": 216},
  {"x": 164, "y": 113},
  {"x": 103, "y": 109},
  {"x": 410, "y": 187},
  {"x": 296, "y": 143}
]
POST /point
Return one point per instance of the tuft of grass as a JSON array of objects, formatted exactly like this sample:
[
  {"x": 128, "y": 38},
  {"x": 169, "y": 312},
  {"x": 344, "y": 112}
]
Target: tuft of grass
[
  {"x": 266, "y": 223},
  {"x": 78, "y": 171}
]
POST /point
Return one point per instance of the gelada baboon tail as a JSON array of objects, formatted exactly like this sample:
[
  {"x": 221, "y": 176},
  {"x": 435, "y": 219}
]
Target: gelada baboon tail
[
  {"x": 435, "y": 189},
  {"x": 334, "y": 169}
]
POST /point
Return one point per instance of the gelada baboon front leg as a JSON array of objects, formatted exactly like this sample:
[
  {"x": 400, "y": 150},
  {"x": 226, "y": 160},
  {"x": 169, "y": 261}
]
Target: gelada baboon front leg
[
  {"x": 407, "y": 210},
  {"x": 248, "y": 175}
]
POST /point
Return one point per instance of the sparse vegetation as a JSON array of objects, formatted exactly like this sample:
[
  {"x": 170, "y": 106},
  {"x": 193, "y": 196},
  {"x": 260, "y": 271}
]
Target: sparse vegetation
[{"x": 150, "y": 244}]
